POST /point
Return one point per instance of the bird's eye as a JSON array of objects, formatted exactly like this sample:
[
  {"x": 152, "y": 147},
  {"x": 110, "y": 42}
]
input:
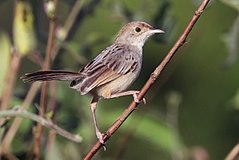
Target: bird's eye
[{"x": 137, "y": 29}]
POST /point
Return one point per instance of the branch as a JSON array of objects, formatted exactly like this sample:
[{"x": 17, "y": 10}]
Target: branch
[
  {"x": 150, "y": 81},
  {"x": 13, "y": 69},
  {"x": 20, "y": 112},
  {"x": 75, "y": 12},
  {"x": 47, "y": 62},
  {"x": 68, "y": 24},
  {"x": 234, "y": 153},
  {"x": 11, "y": 132}
]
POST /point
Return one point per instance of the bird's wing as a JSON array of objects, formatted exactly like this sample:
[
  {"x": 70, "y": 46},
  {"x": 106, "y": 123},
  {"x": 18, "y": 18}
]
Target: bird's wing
[{"x": 111, "y": 63}]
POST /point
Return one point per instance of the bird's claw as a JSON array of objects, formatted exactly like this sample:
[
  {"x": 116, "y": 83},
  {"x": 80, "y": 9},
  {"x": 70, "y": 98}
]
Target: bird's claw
[
  {"x": 136, "y": 99},
  {"x": 100, "y": 137}
]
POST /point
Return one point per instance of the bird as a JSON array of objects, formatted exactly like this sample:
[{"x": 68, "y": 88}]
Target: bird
[{"x": 111, "y": 72}]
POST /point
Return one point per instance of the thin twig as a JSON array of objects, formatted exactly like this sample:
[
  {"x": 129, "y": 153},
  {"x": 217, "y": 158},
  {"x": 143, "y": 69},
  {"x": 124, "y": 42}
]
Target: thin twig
[
  {"x": 19, "y": 112},
  {"x": 5, "y": 146},
  {"x": 12, "y": 72},
  {"x": 47, "y": 63},
  {"x": 52, "y": 109},
  {"x": 150, "y": 81},
  {"x": 68, "y": 24}
]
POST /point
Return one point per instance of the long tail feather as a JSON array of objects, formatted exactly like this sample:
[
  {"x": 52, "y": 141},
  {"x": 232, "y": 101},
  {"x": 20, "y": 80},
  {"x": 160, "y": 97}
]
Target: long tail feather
[{"x": 50, "y": 75}]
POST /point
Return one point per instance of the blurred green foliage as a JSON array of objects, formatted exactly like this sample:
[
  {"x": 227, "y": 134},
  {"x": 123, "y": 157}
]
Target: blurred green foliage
[{"x": 206, "y": 116}]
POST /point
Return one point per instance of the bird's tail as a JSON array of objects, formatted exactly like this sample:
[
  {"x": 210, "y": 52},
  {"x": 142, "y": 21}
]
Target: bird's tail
[{"x": 50, "y": 75}]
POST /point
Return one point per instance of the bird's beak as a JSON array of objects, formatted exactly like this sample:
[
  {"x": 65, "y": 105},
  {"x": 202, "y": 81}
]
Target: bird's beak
[{"x": 157, "y": 31}]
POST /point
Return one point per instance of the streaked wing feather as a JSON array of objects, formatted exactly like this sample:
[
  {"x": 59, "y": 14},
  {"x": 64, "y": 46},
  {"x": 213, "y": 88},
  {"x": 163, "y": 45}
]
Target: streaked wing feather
[
  {"x": 110, "y": 64},
  {"x": 106, "y": 77}
]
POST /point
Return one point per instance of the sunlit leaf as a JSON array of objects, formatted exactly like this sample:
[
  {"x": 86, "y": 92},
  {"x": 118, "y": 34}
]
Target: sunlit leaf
[
  {"x": 23, "y": 29},
  {"x": 5, "y": 54}
]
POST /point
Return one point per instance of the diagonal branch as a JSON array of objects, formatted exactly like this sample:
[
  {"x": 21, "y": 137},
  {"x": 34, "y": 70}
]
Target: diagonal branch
[
  {"x": 234, "y": 153},
  {"x": 150, "y": 81}
]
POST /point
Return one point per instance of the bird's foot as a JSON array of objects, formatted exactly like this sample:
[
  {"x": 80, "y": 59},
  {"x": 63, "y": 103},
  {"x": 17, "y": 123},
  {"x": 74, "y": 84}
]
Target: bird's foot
[
  {"x": 136, "y": 99},
  {"x": 99, "y": 135}
]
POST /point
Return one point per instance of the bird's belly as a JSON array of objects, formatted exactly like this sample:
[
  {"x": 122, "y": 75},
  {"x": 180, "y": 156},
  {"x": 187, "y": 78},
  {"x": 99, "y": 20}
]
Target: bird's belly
[{"x": 118, "y": 85}]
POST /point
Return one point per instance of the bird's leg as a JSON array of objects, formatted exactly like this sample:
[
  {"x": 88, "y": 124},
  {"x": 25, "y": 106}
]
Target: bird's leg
[
  {"x": 126, "y": 93},
  {"x": 93, "y": 110}
]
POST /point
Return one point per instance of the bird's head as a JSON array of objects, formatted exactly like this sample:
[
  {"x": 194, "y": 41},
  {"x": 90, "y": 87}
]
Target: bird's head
[{"x": 136, "y": 33}]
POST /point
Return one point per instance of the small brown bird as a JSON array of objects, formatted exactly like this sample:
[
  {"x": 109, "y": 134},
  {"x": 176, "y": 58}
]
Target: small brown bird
[{"x": 111, "y": 72}]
